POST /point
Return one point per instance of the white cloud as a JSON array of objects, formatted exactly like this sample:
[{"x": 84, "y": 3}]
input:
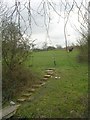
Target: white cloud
[{"x": 56, "y": 30}]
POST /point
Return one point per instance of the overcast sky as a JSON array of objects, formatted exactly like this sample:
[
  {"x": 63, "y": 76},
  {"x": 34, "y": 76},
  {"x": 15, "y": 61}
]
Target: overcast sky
[{"x": 56, "y": 25}]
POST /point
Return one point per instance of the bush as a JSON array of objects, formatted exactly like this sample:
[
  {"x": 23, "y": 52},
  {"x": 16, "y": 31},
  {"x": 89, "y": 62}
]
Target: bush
[
  {"x": 15, "y": 81},
  {"x": 15, "y": 51},
  {"x": 83, "y": 47}
]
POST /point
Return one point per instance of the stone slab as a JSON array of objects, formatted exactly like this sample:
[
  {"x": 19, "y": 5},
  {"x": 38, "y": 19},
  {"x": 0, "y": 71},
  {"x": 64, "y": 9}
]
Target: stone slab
[{"x": 9, "y": 111}]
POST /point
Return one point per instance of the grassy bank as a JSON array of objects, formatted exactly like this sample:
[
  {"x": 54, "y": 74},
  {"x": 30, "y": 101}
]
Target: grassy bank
[{"x": 59, "y": 98}]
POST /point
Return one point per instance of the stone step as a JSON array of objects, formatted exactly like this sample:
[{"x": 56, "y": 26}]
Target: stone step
[
  {"x": 31, "y": 90},
  {"x": 21, "y": 100},
  {"x": 50, "y": 73},
  {"x": 9, "y": 111},
  {"x": 45, "y": 79},
  {"x": 47, "y": 76},
  {"x": 51, "y": 69},
  {"x": 43, "y": 83},
  {"x": 27, "y": 94}
]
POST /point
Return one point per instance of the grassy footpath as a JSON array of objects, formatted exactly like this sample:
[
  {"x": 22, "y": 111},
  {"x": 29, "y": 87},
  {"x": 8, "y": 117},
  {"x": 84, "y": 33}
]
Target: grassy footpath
[{"x": 59, "y": 98}]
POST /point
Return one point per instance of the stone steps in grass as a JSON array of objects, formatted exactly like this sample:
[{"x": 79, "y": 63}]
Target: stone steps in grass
[{"x": 27, "y": 96}]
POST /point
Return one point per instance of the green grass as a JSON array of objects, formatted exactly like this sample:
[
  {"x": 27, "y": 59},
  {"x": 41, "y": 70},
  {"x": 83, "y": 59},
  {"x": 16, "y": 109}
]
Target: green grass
[{"x": 59, "y": 98}]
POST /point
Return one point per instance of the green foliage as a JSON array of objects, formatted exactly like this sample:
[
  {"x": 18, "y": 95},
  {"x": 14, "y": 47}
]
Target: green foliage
[
  {"x": 15, "y": 51},
  {"x": 14, "y": 46},
  {"x": 83, "y": 47}
]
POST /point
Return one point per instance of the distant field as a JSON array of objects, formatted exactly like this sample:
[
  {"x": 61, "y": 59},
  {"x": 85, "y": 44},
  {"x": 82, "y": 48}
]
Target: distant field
[
  {"x": 45, "y": 59},
  {"x": 59, "y": 98}
]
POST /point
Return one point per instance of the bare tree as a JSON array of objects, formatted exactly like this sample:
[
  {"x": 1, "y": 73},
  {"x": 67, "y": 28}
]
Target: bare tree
[{"x": 14, "y": 46}]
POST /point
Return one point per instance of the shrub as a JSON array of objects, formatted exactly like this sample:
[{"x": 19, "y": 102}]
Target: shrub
[
  {"x": 15, "y": 81},
  {"x": 15, "y": 51},
  {"x": 83, "y": 47}
]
